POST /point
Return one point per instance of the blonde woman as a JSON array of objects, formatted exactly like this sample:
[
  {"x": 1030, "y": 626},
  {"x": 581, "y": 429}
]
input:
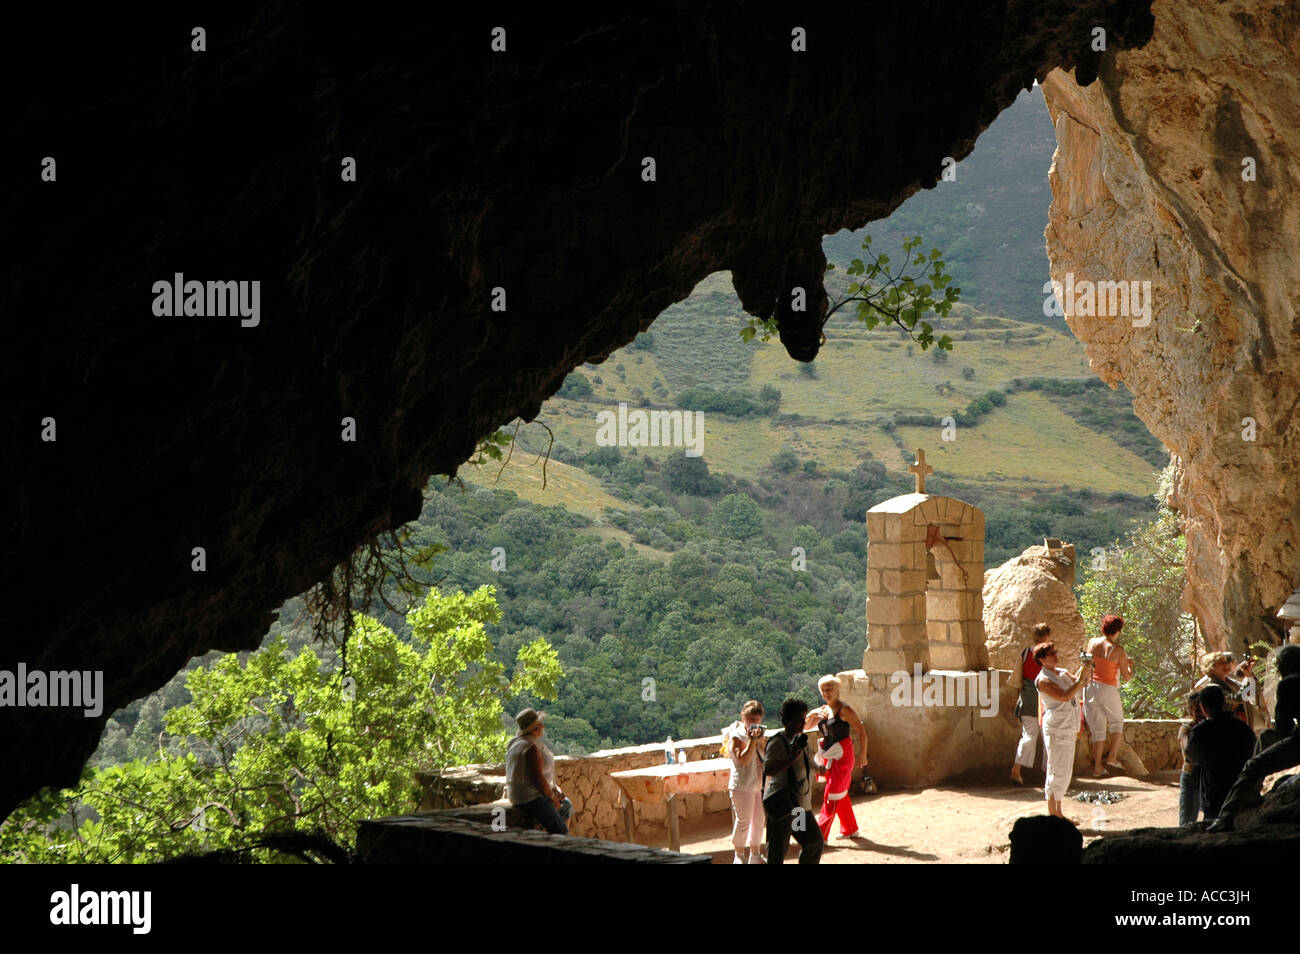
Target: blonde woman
[
  {"x": 1221, "y": 669},
  {"x": 839, "y": 727},
  {"x": 746, "y": 743}
]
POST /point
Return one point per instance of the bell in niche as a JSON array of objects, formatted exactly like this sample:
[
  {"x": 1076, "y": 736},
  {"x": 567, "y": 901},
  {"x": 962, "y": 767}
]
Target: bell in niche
[{"x": 931, "y": 568}]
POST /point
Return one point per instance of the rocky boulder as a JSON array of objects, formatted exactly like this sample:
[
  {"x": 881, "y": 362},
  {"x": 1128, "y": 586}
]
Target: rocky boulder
[{"x": 1034, "y": 587}]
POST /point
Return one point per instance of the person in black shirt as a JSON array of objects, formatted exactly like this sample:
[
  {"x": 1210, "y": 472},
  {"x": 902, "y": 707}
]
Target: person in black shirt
[
  {"x": 1219, "y": 746},
  {"x": 1279, "y": 746},
  {"x": 787, "y": 797}
]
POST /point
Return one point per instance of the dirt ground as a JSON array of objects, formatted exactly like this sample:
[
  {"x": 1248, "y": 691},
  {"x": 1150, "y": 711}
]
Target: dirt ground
[{"x": 965, "y": 825}]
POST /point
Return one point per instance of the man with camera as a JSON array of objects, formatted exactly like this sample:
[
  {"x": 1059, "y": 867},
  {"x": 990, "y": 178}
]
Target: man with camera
[{"x": 787, "y": 796}]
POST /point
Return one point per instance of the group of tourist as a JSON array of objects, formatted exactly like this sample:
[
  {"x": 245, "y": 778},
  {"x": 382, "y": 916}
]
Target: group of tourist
[
  {"x": 1049, "y": 705},
  {"x": 1224, "y": 763},
  {"x": 771, "y": 779},
  {"x": 770, "y": 786}
]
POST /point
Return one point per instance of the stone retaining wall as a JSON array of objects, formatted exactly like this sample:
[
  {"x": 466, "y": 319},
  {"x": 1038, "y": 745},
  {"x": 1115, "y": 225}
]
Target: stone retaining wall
[{"x": 585, "y": 779}]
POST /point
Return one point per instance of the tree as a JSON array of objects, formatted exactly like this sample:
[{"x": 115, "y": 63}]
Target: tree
[
  {"x": 280, "y": 748},
  {"x": 785, "y": 461},
  {"x": 690, "y": 475},
  {"x": 1143, "y": 582},
  {"x": 878, "y": 293},
  {"x": 575, "y": 385},
  {"x": 738, "y": 517}
]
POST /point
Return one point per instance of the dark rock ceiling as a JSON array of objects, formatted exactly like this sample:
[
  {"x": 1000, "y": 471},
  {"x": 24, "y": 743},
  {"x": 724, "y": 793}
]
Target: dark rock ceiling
[{"x": 475, "y": 170}]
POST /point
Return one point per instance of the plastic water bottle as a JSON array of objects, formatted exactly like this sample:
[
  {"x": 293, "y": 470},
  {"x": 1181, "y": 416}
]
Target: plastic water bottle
[
  {"x": 668, "y": 751},
  {"x": 681, "y": 756}
]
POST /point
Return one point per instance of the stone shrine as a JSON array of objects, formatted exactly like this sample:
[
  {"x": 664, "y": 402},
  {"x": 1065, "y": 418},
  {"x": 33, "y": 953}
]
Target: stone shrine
[{"x": 925, "y": 628}]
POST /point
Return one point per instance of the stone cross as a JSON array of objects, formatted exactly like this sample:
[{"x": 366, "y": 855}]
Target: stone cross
[{"x": 920, "y": 469}]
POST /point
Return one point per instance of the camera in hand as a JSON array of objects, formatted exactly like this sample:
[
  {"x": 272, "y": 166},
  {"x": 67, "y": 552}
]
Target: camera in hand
[
  {"x": 756, "y": 730},
  {"x": 1085, "y": 657},
  {"x": 800, "y": 741}
]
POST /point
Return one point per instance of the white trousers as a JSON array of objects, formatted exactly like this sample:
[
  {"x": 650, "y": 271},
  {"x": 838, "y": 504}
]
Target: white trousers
[
  {"x": 1103, "y": 709},
  {"x": 1059, "y": 742},
  {"x": 1029, "y": 733},
  {"x": 747, "y": 812}
]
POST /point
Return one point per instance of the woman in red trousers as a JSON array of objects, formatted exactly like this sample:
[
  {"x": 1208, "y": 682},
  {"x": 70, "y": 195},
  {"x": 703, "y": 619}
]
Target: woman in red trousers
[{"x": 839, "y": 727}]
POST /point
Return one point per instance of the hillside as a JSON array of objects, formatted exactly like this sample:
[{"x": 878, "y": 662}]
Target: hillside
[
  {"x": 641, "y": 563},
  {"x": 863, "y": 398},
  {"x": 988, "y": 220}
]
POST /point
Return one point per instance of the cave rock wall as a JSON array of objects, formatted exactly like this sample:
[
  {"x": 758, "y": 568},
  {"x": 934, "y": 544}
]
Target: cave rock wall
[{"x": 1148, "y": 186}]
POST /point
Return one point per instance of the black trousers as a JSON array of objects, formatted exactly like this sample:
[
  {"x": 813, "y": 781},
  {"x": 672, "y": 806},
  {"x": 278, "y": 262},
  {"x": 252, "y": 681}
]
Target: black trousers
[
  {"x": 803, "y": 825},
  {"x": 1245, "y": 790}
]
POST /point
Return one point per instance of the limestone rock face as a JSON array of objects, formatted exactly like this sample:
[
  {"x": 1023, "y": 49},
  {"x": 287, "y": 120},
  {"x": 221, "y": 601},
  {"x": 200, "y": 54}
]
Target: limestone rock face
[
  {"x": 1034, "y": 587},
  {"x": 1175, "y": 168}
]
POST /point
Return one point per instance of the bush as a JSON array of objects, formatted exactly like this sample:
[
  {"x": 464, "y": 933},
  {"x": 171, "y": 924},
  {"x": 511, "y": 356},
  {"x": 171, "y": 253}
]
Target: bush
[
  {"x": 738, "y": 517},
  {"x": 690, "y": 475},
  {"x": 731, "y": 403},
  {"x": 576, "y": 385},
  {"x": 785, "y": 461}
]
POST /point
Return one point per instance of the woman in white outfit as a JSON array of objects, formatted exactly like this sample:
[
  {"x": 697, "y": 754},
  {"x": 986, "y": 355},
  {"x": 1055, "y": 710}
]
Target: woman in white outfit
[
  {"x": 746, "y": 744},
  {"x": 1024, "y": 677},
  {"x": 1057, "y": 689}
]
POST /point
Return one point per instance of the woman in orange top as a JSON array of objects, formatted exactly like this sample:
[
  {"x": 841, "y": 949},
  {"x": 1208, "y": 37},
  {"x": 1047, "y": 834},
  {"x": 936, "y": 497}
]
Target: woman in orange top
[{"x": 1102, "y": 706}]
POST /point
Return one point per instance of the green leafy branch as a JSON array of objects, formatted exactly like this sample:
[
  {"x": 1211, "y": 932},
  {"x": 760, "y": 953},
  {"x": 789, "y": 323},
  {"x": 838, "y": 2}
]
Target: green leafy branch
[{"x": 878, "y": 294}]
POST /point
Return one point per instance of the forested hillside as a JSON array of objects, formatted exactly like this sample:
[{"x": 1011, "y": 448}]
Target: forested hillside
[{"x": 741, "y": 573}]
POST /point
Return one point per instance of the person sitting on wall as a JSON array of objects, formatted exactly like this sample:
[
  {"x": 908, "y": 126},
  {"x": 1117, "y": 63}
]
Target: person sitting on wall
[
  {"x": 1102, "y": 706},
  {"x": 838, "y": 726},
  {"x": 1221, "y": 669},
  {"x": 1057, "y": 689},
  {"x": 1189, "y": 780},
  {"x": 1023, "y": 678},
  {"x": 787, "y": 797},
  {"x": 746, "y": 743},
  {"x": 1220, "y": 746},
  {"x": 1279, "y": 746},
  {"x": 530, "y": 776}
]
